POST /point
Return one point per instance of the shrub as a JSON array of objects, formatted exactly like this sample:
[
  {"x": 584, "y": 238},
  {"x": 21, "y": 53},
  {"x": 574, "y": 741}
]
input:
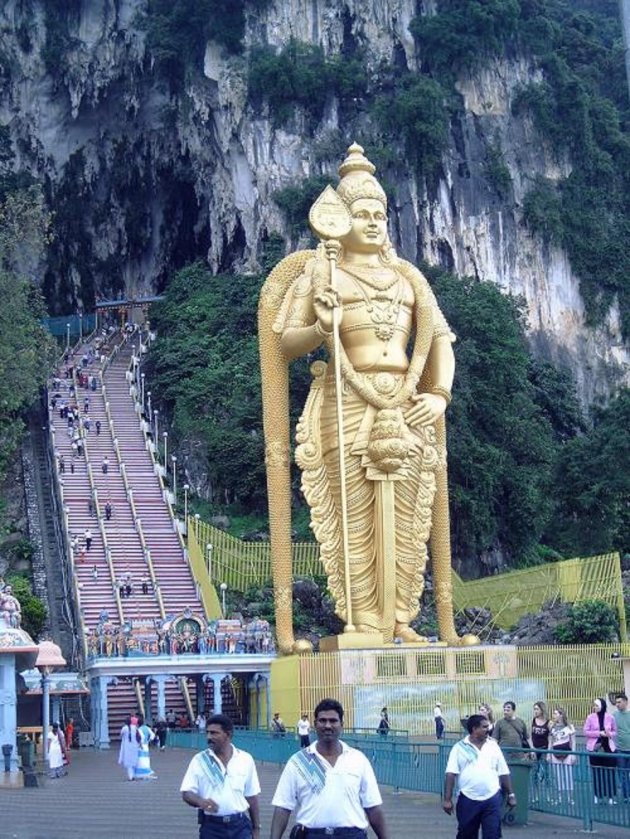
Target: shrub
[
  {"x": 496, "y": 170},
  {"x": 300, "y": 75},
  {"x": 590, "y": 622}
]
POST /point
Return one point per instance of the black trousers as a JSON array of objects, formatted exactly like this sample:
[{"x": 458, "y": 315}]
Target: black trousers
[
  {"x": 215, "y": 828},
  {"x": 472, "y": 815}
]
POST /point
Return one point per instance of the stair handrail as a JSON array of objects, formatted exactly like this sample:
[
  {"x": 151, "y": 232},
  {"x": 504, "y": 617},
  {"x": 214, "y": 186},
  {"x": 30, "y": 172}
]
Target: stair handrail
[
  {"x": 66, "y": 522},
  {"x": 101, "y": 524},
  {"x": 183, "y": 684},
  {"x": 61, "y": 536},
  {"x": 76, "y": 586},
  {"x": 62, "y": 511},
  {"x": 134, "y": 512},
  {"x": 139, "y": 696},
  {"x": 147, "y": 558},
  {"x": 154, "y": 582},
  {"x": 165, "y": 497}
]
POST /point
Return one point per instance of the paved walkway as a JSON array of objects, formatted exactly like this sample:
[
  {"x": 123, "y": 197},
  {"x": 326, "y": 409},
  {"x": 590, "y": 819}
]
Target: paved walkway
[{"x": 96, "y": 802}]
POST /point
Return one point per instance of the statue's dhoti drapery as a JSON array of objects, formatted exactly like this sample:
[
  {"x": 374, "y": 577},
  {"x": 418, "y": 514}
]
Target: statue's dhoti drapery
[{"x": 390, "y": 487}]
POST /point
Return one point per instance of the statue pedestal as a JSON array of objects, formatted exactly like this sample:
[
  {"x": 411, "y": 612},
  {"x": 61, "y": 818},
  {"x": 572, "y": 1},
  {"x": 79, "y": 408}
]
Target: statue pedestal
[{"x": 351, "y": 641}]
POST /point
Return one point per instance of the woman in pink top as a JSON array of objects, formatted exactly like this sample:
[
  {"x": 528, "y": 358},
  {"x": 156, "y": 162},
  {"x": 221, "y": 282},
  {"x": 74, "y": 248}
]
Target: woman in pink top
[{"x": 600, "y": 729}]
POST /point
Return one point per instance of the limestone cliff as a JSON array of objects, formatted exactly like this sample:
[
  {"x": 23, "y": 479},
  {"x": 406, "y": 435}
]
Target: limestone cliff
[{"x": 145, "y": 176}]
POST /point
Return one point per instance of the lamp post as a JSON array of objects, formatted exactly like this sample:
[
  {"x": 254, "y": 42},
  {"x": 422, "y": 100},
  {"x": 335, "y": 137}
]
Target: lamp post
[
  {"x": 67, "y": 336},
  {"x": 174, "y": 460},
  {"x": 165, "y": 436},
  {"x": 142, "y": 390},
  {"x": 48, "y": 657},
  {"x": 186, "y": 488},
  {"x": 197, "y": 517},
  {"x": 149, "y": 405},
  {"x": 209, "y": 554},
  {"x": 223, "y": 588},
  {"x": 155, "y": 417}
]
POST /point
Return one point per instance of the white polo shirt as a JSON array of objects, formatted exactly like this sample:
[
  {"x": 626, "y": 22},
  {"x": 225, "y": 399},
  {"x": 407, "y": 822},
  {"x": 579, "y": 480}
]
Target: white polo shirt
[
  {"x": 303, "y": 727},
  {"x": 478, "y": 770},
  {"x": 208, "y": 777},
  {"x": 325, "y": 795}
]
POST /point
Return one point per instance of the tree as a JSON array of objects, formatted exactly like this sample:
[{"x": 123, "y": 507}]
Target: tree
[
  {"x": 592, "y": 485},
  {"x": 205, "y": 368},
  {"x": 26, "y": 349},
  {"x": 500, "y": 442}
]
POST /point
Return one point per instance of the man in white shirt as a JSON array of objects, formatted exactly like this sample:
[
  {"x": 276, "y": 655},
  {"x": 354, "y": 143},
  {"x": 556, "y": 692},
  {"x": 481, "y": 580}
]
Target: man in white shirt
[
  {"x": 222, "y": 783},
  {"x": 303, "y": 730},
  {"x": 332, "y": 785},
  {"x": 478, "y": 766}
]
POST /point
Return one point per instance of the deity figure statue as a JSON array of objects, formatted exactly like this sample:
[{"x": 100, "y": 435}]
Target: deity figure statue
[
  {"x": 10, "y": 608},
  {"x": 380, "y": 499}
]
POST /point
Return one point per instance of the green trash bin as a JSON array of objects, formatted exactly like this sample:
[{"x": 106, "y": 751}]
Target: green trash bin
[{"x": 519, "y": 773}]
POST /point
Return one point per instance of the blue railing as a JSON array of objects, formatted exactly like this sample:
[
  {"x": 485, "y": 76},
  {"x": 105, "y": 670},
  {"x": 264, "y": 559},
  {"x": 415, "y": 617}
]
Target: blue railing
[
  {"x": 555, "y": 787},
  {"x": 70, "y": 325}
]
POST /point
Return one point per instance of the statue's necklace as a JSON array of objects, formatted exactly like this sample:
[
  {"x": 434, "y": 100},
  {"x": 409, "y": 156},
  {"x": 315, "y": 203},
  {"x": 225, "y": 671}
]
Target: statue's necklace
[
  {"x": 382, "y": 309},
  {"x": 375, "y": 282}
]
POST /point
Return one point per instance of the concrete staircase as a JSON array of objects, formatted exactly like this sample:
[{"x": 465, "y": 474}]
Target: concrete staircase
[{"x": 139, "y": 540}]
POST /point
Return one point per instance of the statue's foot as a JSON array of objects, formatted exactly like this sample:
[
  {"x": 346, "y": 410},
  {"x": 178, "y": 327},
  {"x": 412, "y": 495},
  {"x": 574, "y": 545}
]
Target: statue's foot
[
  {"x": 463, "y": 641},
  {"x": 407, "y": 635}
]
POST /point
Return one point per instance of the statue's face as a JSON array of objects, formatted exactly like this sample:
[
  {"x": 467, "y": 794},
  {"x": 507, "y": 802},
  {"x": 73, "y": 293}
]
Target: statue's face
[{"x": 369, "y": 226}]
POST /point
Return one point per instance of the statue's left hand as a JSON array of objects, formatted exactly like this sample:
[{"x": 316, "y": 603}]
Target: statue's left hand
[{"x": 428, "y": 408}]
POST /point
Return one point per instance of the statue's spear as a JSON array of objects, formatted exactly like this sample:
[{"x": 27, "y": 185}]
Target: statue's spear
[{"x": 330, "y": 220}]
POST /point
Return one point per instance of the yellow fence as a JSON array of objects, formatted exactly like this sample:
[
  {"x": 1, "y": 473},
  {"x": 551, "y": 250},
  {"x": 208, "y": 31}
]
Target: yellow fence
[
  {"x": 242, "y": 564},
  {"x": 410, "y": 682},
  {"x": 510, "y": 596},
  {"x": 506, "y": 597},
  {"x": 207, "y": 591}
]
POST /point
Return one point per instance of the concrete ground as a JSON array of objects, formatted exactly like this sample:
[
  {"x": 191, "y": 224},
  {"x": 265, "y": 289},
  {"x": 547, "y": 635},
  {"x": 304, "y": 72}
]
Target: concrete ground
[{"x": 95, "y": 801}]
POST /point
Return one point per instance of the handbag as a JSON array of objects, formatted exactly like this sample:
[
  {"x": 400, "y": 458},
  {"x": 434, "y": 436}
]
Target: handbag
[{"x": 562, "y": 747}]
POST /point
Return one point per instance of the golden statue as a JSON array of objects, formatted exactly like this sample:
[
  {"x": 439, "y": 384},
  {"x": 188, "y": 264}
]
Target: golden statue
[{"x": 378, "y": 499}]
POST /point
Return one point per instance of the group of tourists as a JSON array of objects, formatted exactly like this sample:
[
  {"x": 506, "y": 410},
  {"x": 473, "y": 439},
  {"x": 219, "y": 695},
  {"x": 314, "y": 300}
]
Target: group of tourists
[{"x": 478, "y": 762}]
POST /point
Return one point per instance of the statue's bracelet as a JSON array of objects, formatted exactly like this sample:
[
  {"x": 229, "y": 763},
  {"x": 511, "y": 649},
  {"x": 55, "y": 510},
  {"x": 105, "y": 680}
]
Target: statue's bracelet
[
  {"x": 444, "y": 392},
  {"x": 321, "y": 331}
]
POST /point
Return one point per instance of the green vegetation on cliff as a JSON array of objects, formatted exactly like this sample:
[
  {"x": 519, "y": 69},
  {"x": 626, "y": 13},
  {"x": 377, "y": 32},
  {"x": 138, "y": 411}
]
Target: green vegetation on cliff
[
  {"x": 179, "y": 30},
  {"x": 26, "y": 349},
  {"x": 580, "y": 108}
]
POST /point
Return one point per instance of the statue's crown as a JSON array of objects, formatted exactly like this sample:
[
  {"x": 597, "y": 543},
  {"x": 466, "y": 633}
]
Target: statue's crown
[{"x": 357, "y": 178}]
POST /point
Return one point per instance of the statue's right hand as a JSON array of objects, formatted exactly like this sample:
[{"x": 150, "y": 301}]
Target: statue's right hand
[{"x": 324, "y": 303}]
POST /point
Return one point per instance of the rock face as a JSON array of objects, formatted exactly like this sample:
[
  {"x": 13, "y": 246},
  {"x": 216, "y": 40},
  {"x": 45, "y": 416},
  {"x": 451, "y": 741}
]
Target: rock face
[{"x": 144, "y": 179}]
